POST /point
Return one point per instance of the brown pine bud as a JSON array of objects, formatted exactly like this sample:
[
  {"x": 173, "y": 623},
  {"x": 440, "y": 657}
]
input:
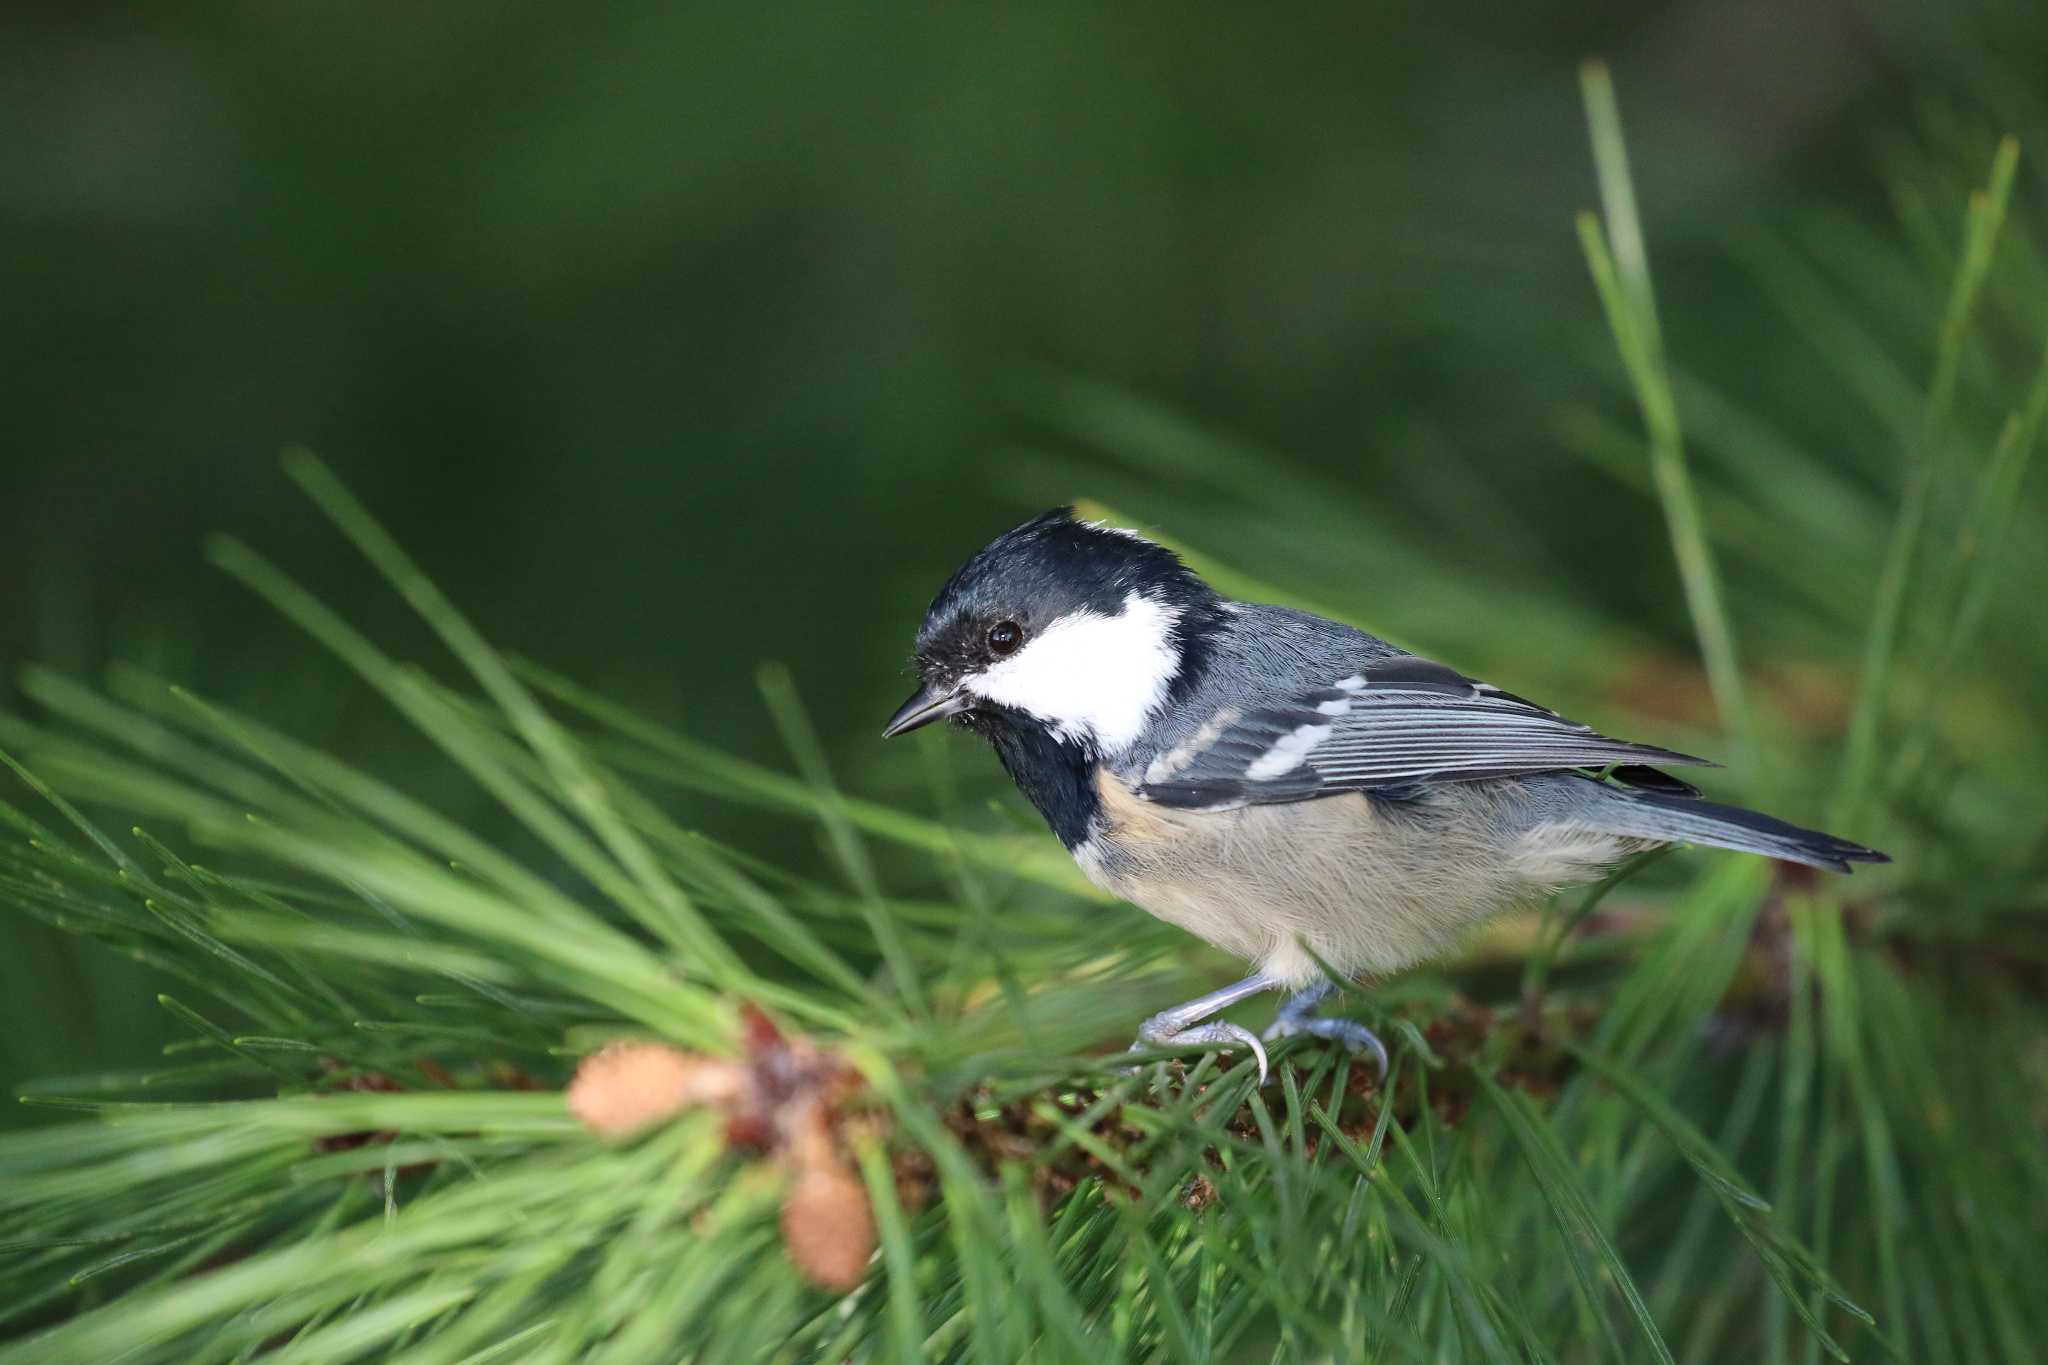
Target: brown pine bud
[
  {"x": 629, "y": 1087},
  {"x": 829, "y": 1227}
]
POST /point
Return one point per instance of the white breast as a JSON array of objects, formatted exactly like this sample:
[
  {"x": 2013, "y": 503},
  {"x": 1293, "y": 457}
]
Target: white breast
[{"x": 1335, "y": 878}]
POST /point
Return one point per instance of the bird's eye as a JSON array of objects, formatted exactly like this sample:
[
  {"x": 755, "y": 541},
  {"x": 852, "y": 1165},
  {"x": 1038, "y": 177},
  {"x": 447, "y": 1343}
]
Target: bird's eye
[{"x": 1004, "y": 637}]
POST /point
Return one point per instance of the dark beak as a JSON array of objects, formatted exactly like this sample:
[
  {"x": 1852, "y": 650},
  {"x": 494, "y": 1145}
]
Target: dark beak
[{"x": 924, "y": 707}]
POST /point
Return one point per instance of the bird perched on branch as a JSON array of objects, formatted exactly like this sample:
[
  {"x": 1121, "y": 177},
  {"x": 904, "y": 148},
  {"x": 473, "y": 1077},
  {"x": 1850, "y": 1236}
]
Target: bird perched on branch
[{"x": 1292, "y": 790}]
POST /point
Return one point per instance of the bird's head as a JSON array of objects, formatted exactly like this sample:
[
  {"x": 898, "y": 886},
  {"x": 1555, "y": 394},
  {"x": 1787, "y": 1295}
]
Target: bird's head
[{"x": 1076, "y": 628}]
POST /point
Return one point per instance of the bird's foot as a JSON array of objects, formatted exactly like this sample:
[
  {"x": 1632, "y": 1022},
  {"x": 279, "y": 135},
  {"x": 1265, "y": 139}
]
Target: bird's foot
[
  {"x": 1299, "y": 1015},
  {"x": 1166, "y": 1031},
  {"x": 1185, "y": 1026}
]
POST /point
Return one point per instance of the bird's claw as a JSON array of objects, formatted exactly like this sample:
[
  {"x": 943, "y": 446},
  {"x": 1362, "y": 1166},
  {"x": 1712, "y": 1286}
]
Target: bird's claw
[
  {"x": 1349, "y": 1032},
  {"x": 1155, "y": 1033}
]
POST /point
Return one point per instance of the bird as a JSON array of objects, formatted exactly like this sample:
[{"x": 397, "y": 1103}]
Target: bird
[{"x": 1296, "y": 792}]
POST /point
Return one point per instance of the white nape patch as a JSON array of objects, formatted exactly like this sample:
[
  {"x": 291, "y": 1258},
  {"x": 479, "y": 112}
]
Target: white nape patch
[
  {"x": 1126, "y": 532},
  {"x": 1094, "y": 679},
  {"x": 1288, "y": 752}
]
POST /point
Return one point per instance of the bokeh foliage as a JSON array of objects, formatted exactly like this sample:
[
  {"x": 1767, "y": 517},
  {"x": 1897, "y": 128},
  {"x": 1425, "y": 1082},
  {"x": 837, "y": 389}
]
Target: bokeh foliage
[
  {"x": 573, "y": 300},
  {"x": 693, "y": 341}
]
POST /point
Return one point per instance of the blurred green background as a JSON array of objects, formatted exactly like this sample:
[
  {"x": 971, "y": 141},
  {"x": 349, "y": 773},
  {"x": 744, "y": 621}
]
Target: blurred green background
[{"x": 675, "y": 339}]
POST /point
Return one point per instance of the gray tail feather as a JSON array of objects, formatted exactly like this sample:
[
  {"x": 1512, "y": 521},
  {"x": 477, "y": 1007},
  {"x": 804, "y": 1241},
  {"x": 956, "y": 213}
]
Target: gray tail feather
[{"x": 1687, "y": 820}]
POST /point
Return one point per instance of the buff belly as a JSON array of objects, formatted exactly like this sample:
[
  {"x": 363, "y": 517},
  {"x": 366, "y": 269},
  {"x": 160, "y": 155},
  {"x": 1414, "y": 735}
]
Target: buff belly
[{"x": 1369, "y": 888}]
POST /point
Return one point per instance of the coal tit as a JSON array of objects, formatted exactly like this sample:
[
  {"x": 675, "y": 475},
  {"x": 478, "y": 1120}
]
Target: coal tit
[{"x": 1292, "y": 790}]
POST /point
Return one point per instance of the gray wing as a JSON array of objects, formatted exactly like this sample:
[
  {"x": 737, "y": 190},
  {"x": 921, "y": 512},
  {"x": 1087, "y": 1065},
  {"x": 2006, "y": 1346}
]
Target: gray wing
[{"x": 1385, "y": 728}]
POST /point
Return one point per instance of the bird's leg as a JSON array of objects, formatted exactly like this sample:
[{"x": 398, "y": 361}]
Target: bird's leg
[
  {"x": 1182, "y": 1025},
  {"x": 1299, "y": 1015}
]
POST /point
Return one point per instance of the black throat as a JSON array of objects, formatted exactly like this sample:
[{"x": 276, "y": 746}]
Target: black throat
[{"x": 1055, "y": 776}]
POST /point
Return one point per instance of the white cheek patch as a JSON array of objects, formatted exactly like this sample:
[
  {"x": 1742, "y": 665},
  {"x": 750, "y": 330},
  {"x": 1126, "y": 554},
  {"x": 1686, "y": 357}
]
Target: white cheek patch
[{"x": 1094, "y": 679}]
